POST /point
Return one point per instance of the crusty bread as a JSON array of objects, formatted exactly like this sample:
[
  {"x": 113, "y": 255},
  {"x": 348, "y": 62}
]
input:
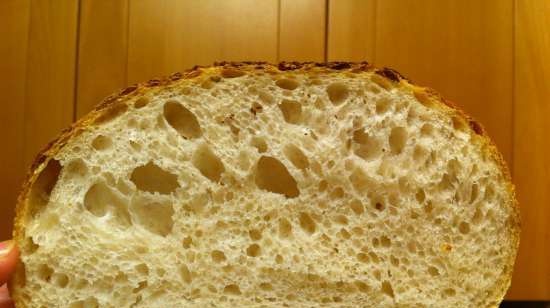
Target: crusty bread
[{"x": 254, "y": 185}]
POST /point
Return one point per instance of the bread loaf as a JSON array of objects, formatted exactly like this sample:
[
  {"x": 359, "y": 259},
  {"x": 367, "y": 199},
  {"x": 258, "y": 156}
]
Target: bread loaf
[{"x": 257, "y": 185}]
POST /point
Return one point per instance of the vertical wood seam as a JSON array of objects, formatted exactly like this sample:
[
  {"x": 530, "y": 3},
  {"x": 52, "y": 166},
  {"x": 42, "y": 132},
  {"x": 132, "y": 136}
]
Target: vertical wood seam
[
  {"x": 326, "y": 34},
  {"x": 278, "y": 54},
  {"x": 26, "y": 86},
  {"x": 77, "y": 59},
  {"x": 127, "y": 65},
  {"x": 513, "y": 111},
  {"x": 127, "y": 38},
  {"x": 375, "y": 30}
]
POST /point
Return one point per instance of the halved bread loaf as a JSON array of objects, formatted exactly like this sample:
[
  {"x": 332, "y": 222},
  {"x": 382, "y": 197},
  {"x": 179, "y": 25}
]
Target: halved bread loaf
[{"x": 254, "y": 185}]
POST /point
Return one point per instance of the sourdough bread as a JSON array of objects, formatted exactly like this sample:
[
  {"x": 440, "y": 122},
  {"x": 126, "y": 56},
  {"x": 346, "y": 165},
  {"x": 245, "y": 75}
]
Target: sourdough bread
[{"x": 256, "y": 185}]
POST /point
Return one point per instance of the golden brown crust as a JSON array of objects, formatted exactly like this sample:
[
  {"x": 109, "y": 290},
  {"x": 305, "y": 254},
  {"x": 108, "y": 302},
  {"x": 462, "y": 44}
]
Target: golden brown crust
[{"x": 115, "y": 104}]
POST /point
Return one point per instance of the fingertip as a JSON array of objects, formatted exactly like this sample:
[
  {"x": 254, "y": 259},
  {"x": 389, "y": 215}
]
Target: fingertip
[{"x": 9, "y": 254}]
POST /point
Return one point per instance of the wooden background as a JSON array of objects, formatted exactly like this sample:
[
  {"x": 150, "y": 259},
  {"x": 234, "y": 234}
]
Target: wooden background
[{"x": 60, "y": 57}]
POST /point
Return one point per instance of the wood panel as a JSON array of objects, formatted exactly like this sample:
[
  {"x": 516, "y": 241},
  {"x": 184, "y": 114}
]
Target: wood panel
[
  {"x": 302, "y": 30},
  {"x": 532, "y": 148},
  {"x": 351, "y": 31},
  {"x": 462, "y": 48},
  {"x": 169, "y": 35},
  {"x": 50, "y": 80},
  {"x": 14, "y": 23},
  {"x": 102, "y": 51}
]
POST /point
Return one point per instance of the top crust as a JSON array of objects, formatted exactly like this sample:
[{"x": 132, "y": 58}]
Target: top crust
[{"x": 115, "y": 105}]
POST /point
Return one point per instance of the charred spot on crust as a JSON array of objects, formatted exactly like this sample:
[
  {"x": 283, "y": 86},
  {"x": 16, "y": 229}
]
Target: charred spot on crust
[
  {"x": 476, "y": 127},
  {"x": 153, "y": 83},
  {"x": 389, "y": 74},
  {"x": 128, "y": 90},
  {"x": 176, "y": 76},
  {"x": 194, "y": 73},
  {"x": 288, "y": 66},
  {"x": 339, "y": 65}
]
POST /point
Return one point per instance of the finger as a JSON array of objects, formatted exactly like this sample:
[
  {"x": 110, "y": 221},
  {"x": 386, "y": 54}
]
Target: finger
[
  {"x": 5, "y": 301},
  {"x": 8, "y": 260}
]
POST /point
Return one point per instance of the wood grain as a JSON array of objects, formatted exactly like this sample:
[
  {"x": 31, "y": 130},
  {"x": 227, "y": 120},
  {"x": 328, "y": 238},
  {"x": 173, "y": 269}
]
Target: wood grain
[
  {"x": 302, "y": 30},
  {"x": 50, "y": 80},
  {"x": 462, "y": 48},
  {"x": 14, "y": 26},
  {"x": 532, "y": 149},
  {"x": 102, "y": 51},
  {"x": 168, "y": 35},
  {"x": 351, "y": 31}
]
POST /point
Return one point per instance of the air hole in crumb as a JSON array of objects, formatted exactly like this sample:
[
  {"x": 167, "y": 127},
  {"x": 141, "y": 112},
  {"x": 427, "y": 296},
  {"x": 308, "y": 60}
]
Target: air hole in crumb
[
  {"x": 266, "y": 97},
  {"x": 255, "y": 234},
  {"x": 232, "y": 289},
  {"x": 474, "y": 193},
  {"x": 419, "y": 153},
  {"x": 253, "y": 250},
  {"x": 152, "y": 178},
  {"x": 101, "y": 143},
  {"x": 231, "y": 73},
  {"x": 287, "y": 84},
  {"x": 323, "y": 185},
  {"x": 76, "y": 168},
  {"x": 42, "y": 188},
  {"x": 272, "y": 175},
  {"x": 357, "y": 207},
  {"x": 154, "y": 216},
  {"x": 341, "y": 219},
  {"x": 259, "y": 143},
  {"x": 142, "y": 269},
  {"x": 44, "y": 272},
  {"x": 363, "y": 257},
  {"x": 387, "y": 289},
  {"x": 459, "y": 123},
  {"x": 426, "y": 129},
  {"x": 182, "y": 120},
  {"x": 361, "y": 286},
  {"x": 266, "y": 286},
  {"x": 382, "y": 105},
  {"x": 379, "y": 206},
  {"x": 368, "y": 147},
  {"x": 111, "y": 113},
  {"x": 449, "y": 292},
  {"x": 279, "y": 259},
  {"x": 30, "y": 246},
  {"x": 141, "y": 102},
  {"x": 101, "y": 200},
  {"x": 285, "y": 228},
  {"x": 337, "y": 93},
  {"x": 136, "y": 146},
  {"x": 60, "y": 280},
  {"x": 398, "y": 139},
  {"x": 185, "y": 274},
  {"x": 477, "y": 217},
  {"x": 307, "y": 223},
  {"x": 90, "y": 302},
  {"x": 433, "y": 271},
  {"x": 292, "y": 111},
  {"x": 420, "y": 196},
  {"x": 187, "y": 241},
  {"x": 141, "y": 285},
  {"x": 464, "y": 227},
  {"x": 296, "y": 156},
  {"x": 385, "y": 241},
  {"x": 218, "y": 256},
  {"x": 208, "y": 163}
]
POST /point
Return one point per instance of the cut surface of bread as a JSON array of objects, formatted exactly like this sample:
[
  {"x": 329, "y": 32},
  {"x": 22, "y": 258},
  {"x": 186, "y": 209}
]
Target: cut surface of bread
[{"x": 257, "y": 185}]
